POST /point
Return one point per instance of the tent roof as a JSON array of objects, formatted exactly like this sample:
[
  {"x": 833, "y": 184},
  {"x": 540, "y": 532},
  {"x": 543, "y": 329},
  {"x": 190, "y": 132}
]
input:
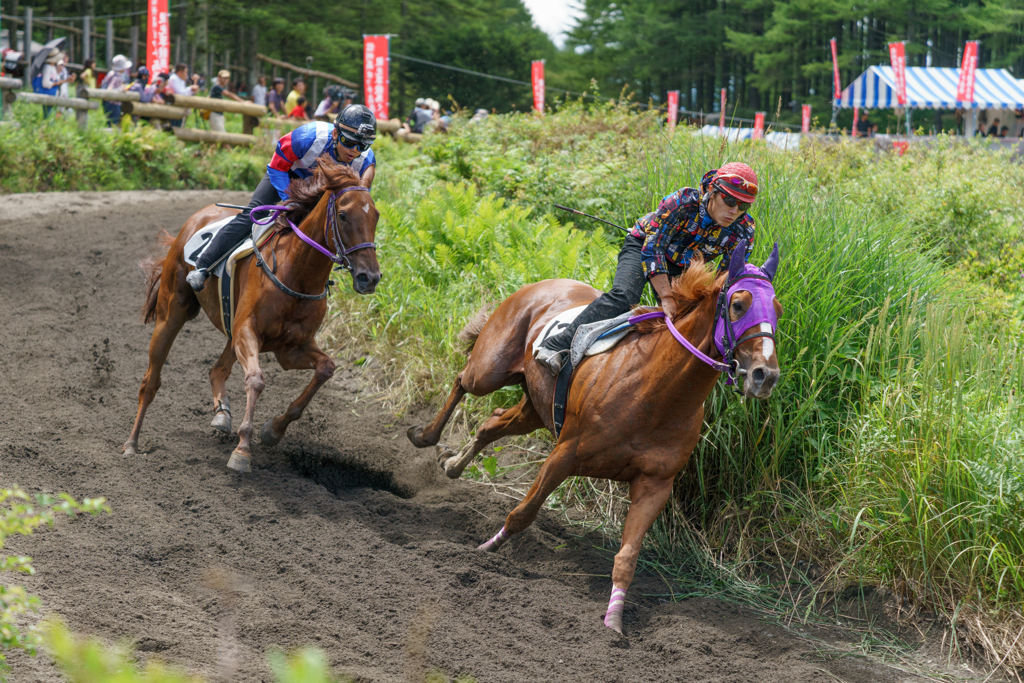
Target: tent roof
[{"x": 932, "y": 88}]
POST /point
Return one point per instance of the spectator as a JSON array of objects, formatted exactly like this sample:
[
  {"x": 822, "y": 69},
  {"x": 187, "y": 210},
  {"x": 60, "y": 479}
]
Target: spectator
[
  {"x": 63, "y": 78},
  {"x": 46, "y": 83},
  {"x": 151, "y": 93},
  {"x": 116, "y": 79},
  {"x": 259, "y": 91},
  {"x": 864, "y": 126},
  {"x": 275, "y": 102},
  {"x": 330, "y": 105},
  {"x": 1004, "y": 132},
  {"x": 139, "y": 82},
  {"x": 177, "y": 85},
  {"x": 88, "y": 74},
  {"x": 218, "y": 92},
  {"x": 478, "y": 116},
  {"x": 993, "y": 130},
  {"x": 299, "y": 111},
  {"x": 419, "y": 117},
  {"x": 298, "y": 90}
]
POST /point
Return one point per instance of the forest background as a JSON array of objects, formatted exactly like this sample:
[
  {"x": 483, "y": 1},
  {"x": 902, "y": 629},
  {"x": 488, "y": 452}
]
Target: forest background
[{"x": 772, "y": 55}]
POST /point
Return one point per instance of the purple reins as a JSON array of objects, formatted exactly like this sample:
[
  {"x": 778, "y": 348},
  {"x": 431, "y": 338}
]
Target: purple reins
[{"x": 340, "y": 257}]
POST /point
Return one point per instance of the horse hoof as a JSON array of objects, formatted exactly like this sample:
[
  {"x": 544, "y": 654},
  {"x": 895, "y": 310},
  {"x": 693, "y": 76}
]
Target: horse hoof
[
  {"x": 415, "y": 435},
  {"x": 130, "y": 449},
  {"x": 222, "y": 423},
  {"x": 614, "y": 622},
  {"x": 240, "y": 462},
  {"x": 267, "y": 434},
  {"x": 452, "y": 469}
]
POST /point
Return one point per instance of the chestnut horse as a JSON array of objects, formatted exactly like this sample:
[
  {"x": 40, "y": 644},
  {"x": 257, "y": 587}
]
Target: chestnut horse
[
  {"x": 633, "y": 414},
  {"x": 334, "y": 211}
]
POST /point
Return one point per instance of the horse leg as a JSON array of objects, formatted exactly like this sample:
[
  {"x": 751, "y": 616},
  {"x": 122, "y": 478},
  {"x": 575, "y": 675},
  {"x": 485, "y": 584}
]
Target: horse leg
[
  {"x": 421, "y": 437},
  {"x": 520, "y": 419},
  {"x": 647, "y": 497},
  {"x": 170, "y": 319},
  {"x": 556, "y": 468},
  {"x": 247, "y": 348},
  {"x": 219, "y": 374},
  {"x": 307, "y": 356}
]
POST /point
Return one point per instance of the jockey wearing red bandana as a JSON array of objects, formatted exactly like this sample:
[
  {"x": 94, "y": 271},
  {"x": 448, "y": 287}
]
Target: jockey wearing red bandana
[{"x": 711, "y": 220}]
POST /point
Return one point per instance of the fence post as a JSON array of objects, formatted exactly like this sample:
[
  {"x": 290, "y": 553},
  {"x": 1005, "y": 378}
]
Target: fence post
[
  {"x": 135, "y": 45},
  {"x": 110, "y": 42},
  {"x": 86, "y": 35},
  {"x": 27, "y": 45},
  {"x": 254, "y": 69}
]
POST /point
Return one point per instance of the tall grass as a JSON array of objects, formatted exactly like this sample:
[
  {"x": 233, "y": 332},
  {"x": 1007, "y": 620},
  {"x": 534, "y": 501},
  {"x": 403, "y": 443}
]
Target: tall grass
[{"x": 889, "y": 451}]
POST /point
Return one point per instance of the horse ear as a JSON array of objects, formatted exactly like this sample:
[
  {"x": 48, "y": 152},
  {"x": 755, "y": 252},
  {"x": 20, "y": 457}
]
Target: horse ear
[
  {"x": 772, "y": 264},
  {"x": 738, "y": 260}
]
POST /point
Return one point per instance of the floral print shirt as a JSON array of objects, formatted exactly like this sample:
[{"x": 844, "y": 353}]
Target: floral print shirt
[{"x": 681, "y": 226}]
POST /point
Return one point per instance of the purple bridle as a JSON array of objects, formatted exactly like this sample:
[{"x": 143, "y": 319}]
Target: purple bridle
[
  {"x": 340, "y": 256},
  {"x": 743, "y": 277}
]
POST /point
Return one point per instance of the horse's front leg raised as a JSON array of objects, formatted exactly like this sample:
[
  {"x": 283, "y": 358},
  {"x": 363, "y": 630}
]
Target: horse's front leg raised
[
  {"x": 247, "y": 348},
  {"x": 304, "y": 357}
]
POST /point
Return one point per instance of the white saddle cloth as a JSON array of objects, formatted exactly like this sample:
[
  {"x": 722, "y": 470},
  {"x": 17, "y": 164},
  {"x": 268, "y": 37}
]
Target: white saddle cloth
[
  {"x": 198, "y": 243},
  {"x": 603, "y": 343}
]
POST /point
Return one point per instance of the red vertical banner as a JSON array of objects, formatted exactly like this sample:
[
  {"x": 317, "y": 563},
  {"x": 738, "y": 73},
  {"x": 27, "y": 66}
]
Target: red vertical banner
[
  {"x": 721, "y": 119},
  {"x": 376, "y": 75},
  {"x": 537, "y": 78},
  {"x": 158, "y": 38},
  {"x": 805, "y": 119},
  {"x": 673, "y": 108},
  {"x": 837, "y": 90},
  {"x": 758, "y": 132},
  {"x": 965, "y": 88},
  {"x": 898, "y": 58},
  {"x": 856, "y": 119}
]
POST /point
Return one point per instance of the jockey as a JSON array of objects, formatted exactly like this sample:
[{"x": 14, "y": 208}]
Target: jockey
[
  {"x": 710, "y": 220},
  {"x": 346, "y": 141}
]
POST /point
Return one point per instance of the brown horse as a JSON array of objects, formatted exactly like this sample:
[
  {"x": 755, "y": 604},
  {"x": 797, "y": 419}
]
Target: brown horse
[
  {"x": 634, "y": 414},
  {"x": 266, "y": 317}
]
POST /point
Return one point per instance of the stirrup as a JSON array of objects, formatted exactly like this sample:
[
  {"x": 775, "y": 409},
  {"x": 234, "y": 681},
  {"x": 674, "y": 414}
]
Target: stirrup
[
  {"x": 197, "y": 279},
  {"x": 551, "y": 360}
]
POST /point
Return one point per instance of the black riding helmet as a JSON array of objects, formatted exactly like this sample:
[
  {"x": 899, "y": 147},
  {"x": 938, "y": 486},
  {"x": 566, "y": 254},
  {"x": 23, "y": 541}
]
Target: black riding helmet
[{"x": 357, "y": 126}]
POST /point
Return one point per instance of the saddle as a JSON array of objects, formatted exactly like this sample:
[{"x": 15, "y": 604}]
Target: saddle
[
  {"x": 225, "y": 270},
  {"x": 589, "y": 340}
]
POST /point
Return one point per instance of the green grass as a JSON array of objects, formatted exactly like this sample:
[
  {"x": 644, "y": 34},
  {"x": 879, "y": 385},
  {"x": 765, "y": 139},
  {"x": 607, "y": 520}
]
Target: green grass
[
  {"x": 889, "y": 452},
  {"x": 39, "y": 155}
]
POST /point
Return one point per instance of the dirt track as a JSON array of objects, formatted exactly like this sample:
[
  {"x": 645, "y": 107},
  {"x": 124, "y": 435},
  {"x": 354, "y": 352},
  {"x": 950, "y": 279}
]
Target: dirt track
[{"x": 344, "y": 537}]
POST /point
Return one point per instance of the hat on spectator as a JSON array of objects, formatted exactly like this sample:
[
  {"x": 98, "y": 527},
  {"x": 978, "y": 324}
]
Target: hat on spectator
[
  {"x": 224, "y": 73},
  {"x": 120, "y": 63},
  {"x": 419, "y": 101},
  {"x": 163, "y": 75}
]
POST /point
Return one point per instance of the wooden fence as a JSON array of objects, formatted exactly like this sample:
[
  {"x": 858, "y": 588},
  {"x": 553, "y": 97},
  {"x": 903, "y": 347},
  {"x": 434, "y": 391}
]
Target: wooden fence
[{"x": 178, "y": 108}]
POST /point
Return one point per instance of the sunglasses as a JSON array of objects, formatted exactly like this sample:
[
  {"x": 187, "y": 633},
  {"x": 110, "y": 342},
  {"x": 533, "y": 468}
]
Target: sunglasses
[
  {"x": 739, "y": 182},
  {"x": 352, "y": 144},
  {"x": 732, "y": 202}
]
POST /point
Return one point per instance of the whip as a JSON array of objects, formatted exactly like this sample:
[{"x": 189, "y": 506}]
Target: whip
[{"x": 587, "y": 215}]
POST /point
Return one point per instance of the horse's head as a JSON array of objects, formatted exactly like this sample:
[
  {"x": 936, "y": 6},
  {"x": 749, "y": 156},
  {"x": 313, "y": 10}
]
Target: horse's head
[
  {"x": 355, "y": 216},
  {"x": 753, "y": 313}
]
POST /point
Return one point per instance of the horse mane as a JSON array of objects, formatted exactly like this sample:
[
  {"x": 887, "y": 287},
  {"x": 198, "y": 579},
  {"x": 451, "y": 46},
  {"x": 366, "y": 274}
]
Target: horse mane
[
  {"x": 305, "y": 193},
  {"x": 699, "y": 284}
]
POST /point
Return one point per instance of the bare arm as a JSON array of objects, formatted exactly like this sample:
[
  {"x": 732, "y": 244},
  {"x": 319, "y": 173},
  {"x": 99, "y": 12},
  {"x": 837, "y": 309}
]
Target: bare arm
[
  {"x": 232, "y": 96},
  {"x": 661, "y": 285}
]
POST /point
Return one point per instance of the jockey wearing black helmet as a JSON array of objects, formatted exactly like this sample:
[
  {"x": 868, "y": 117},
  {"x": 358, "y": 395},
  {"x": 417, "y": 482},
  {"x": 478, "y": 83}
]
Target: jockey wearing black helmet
[{"x": 346, "y": 141}]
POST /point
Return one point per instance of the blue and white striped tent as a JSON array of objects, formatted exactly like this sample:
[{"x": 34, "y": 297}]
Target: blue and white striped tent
[{"x": 932, "y": 88}]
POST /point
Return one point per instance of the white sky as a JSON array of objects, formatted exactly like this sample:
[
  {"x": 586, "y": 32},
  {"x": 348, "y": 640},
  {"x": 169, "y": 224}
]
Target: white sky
[{"x": 553, "y": 17}]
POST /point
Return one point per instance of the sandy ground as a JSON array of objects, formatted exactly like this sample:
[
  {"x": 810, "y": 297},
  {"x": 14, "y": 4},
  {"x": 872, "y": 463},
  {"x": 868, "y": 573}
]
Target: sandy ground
[{"x": 344, "y": 537}]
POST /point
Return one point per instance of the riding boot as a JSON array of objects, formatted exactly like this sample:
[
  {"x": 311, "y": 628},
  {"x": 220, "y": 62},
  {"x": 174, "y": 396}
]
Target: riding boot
[
  {"x": 232, "y": 234},
  {"x": 625, "y": 293}
]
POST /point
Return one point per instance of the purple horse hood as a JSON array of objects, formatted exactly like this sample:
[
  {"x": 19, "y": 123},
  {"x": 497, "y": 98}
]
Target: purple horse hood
[{"x": 758, "y": 283}]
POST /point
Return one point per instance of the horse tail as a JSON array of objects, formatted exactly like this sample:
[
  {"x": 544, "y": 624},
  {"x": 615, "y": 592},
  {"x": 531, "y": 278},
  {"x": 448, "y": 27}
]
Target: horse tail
[
  {"x": 152, "y": 268},
  {"x": 472, "y": 330}
]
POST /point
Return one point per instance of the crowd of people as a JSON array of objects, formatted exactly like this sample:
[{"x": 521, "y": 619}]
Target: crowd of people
[{"x": 162, "y": 88}]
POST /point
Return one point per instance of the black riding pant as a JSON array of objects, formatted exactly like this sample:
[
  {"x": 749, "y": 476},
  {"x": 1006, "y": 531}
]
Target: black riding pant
[
  {"x": 626, "y": 291},
  {"x": 240, "y": 226}
]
